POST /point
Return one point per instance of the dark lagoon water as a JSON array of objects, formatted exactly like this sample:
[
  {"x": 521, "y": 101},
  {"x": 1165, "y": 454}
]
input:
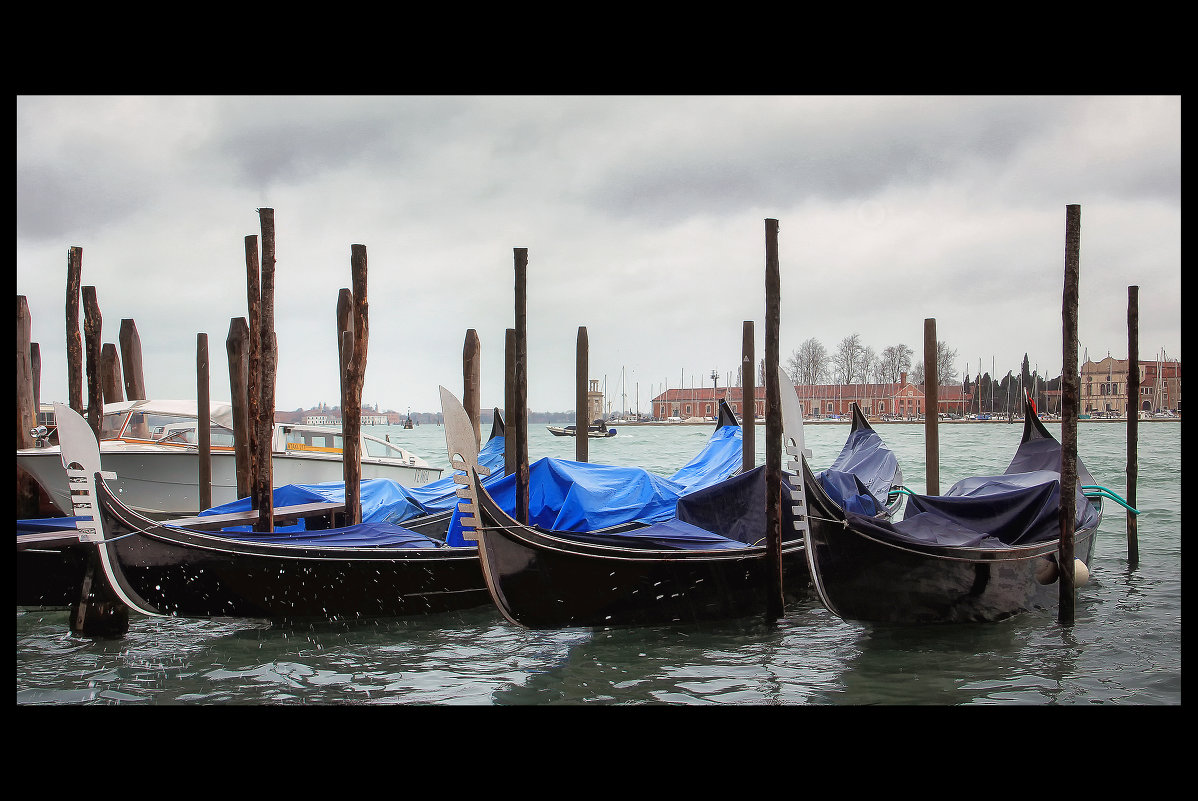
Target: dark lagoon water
[{"x": 1124, "y": 648}]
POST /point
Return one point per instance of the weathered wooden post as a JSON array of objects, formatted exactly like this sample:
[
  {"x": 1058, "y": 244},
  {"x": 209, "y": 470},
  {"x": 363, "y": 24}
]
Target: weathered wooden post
[
  {"x": 135, "y": 382},
  {"x": 110, "y": 369},
  {"x": 237, "y": 347},
  {"x": 92, "y": 328},
  {"x": 1133, "y": 422},
  {"x": 253, "y": 359},
  {"x": 748, "y": 399},
  {"x": 582, "y": 399},
  {"x": 27, "y": 487},
  {"x": 520, "y": 256},
  {"x": 509, "y": 401},
  {"x": 1070, "y": 396},
  {"x": 472, "y": 381},
  {"x": 773, "y": 429},
  {"x": 35, "y": 366},
  {"x": 203, "y": 421},
  {"x": 268, "y": 348},
  {"x": 74, "y": 340},
  {"x": 931, "y": 406},
  {"x": 354, "y": 342}
]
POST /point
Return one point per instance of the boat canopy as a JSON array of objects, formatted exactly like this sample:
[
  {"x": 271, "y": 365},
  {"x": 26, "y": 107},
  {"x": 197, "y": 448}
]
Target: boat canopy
[
  {"x": 861, "y": 477},
  {"x": 1003, "y": 511},
  {"x": 565, "y": 495},
  {"x": 383, "y": 500}
]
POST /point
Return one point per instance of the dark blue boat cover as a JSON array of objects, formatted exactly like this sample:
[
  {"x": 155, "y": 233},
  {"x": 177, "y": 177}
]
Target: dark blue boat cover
[
  {"x": 570, "y": 496},
  {"x": 861, "y": 477},
  {"x": 1019, "y": 507},
  {"x": 362, "y": 535}
]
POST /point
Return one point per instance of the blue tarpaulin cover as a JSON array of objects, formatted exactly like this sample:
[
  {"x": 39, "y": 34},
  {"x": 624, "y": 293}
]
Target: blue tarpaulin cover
[
  {"x": 383, "y": 500},
  {"x": 570, "y": 496}
]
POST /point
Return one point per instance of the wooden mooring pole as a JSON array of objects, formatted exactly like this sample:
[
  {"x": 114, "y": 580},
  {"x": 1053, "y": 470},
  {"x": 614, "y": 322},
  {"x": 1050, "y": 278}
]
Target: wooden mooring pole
[
  {"x": 931, "y": 407},
  {"x": 203, "y": 422},
  {"x": 773, "y": 429},
  {"x": 472, "y": 382},
  {"x": 92, "y": 328},
  {"x": 520, "y": 398},
  {"x": 74, "y": 340},
  {"x": 748, "y": 399},
  {"x": 582, "y": 400},
  {"x": 1133, "y": 421},
  {"x": 237, "y": 345},
  {"x": 1070, "y": 397},
  {"x": 509, "y": 401},
  {"x": 135, "y": 382},
  {"x": 110, "y": 369},
  {"x": 264, "y": 424},
  {"x": 27, "y": 487},
  {"x": 354, "y": 341}
]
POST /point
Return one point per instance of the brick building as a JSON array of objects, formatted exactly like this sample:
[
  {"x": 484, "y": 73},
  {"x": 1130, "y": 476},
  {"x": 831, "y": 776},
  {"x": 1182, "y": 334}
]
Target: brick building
[{"x": 900, "y": 399}]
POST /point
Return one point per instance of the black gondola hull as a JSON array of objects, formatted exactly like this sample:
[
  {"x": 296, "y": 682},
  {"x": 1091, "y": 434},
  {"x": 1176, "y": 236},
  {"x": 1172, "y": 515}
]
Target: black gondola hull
[
  {"x": 859, "y": 577},
  {"x": 173, "y": 571},
  {"x": 542, "y": 581}
]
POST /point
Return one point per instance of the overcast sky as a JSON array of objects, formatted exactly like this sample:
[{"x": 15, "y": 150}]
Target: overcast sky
[{"x": 643, "y": 218}]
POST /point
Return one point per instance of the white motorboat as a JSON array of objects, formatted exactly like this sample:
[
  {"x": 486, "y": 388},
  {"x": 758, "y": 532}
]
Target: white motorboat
[{"x": 153, "y": 448}]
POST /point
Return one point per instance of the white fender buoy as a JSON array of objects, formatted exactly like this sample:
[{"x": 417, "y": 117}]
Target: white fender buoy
[{"x": 1081, "y": 573}]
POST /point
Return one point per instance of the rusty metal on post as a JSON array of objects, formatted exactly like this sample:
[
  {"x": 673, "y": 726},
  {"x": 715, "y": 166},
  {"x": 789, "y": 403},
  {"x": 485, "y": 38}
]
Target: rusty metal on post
[
  {"x": 74, "y": 340},
  {"x": 268, "y": 347},
  {"x": 1070, "y": 398},
  {"x": 135, "y": 383},
  {"x": 1133, "y": 420},
  {"x": 773, "y": 429},
  {"x": 582, "y": 398},
  {"x": 472, "y": 381},
  {"x": 93, "y": 323},
  {"x": 748, "y": 399},
  {"x": 520, "y": 397},
  {"x": 237, "y": 345},
  {"x": 110, "y": 370},
  {"x": 203, "y": 421},
  {"x": 931, "y": 406}
]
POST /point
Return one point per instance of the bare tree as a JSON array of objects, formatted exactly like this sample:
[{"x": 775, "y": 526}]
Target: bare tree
[
  {"x": 869, "y": 363},
  {"x": 808, "y": 364},
  {"x": 847, "y": 360},
  {"x": 895, "y": 361},
  {"x": 945, "y": 372}
]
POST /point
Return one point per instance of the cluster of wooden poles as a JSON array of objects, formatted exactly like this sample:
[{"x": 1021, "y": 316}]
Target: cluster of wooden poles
[{"x": 253, "y": 359}]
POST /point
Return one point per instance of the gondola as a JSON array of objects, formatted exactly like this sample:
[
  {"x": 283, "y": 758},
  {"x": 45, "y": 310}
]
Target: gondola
[
  {"x": 371, "y": 570},
  {"x": 983, "y": 551},
  {"x": 706, "y": 564}
]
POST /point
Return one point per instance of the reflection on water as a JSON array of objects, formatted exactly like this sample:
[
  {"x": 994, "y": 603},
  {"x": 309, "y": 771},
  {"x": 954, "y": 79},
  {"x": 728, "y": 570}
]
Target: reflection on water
[{"x": 1125, "y": 647}]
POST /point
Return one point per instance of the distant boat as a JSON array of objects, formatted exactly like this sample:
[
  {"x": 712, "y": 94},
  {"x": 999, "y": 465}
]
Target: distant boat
[
  {"x": 153, "y": 447},
  {"x": 597, "y": 430}
]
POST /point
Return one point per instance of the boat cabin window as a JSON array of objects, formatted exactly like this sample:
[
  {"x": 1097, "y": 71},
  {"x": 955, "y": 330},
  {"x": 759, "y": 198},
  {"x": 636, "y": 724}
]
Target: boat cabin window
[
  {"x": 174, "y": 429},
  {"x": 110, "y": 424},
  {"x": 379, "y": 448},
  {"x": 307, "y": 440}
]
